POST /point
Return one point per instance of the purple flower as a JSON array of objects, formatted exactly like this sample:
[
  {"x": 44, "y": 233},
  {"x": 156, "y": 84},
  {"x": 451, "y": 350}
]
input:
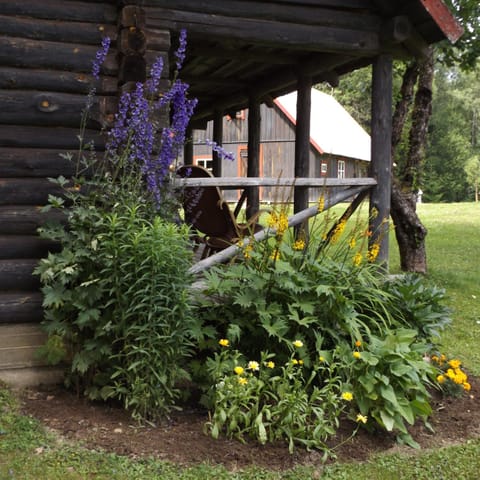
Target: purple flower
[
  {"x": 155, "y": 75},
  {"x": 220, "y": 150},
  {"x": 100, "y": 57},
  {"x": 182, "y": 48}
]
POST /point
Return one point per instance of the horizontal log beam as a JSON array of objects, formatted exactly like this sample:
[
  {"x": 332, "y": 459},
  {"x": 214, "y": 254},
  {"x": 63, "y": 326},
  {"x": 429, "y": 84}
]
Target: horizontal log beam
[
  {"x": 243, "y": 182},
  {"x": 27, "y": 191},
  {"x": 21, "y": 307},
  {"x": 54, "y": 80},
  {"x": 25, "y": 220},
  {"x": 17, "y": 274},
  {"x": 23, "y": 107},
  {"x": 315, "y": 38},
  {"x": 25, "y": 246},
  {"x": 22, "y": 52},
  {"x": 63, "y": 31},
  {"x": 34, "y": 162},
  {"x": 77, "y": 11},
  {"x": 321, "y": 15},
  {"x": 47, "y": 137}
]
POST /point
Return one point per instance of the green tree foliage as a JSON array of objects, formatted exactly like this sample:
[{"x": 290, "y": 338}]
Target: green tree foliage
[{"x": 472, "y": 169}]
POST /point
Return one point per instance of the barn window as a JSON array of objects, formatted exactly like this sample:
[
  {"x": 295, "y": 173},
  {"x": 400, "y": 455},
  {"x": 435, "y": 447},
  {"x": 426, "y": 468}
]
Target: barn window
[
  {"x": 324, "y": 169},
  {"x": 205, "y": 163},
  {"x": 341, "y": 169}
]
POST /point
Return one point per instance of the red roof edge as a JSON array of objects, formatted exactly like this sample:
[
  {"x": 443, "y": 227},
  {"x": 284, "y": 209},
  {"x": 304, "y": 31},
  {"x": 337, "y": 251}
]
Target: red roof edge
[{"x": 442, "y": 16}]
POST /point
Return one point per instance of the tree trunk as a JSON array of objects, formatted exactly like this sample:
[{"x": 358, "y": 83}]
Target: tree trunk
[{"x": 409, "y": 230}]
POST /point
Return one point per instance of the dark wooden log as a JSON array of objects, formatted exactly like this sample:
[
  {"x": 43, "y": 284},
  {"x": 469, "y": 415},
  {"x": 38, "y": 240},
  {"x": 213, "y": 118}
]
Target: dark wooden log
[
  {"x": 327, "y": 15},
  {"x": 132, "y": 40},
  {"x": 132, "y": 16},
  {"x": 63, "y": 31},
  {"x": 218, "y": 138},
  {"x": 97, "y": 12},
  {"x": 157, "y": 39},
  {"x": 302, "y": 140},
  {"x": 381, "y": 161},
  {"x": 317, "y": 38},
  {"x": 253, "y": 161},
  {"x": 17, "y": 274},
  {"x": 27, "y": 191},
  {"x": 22, "y": 107},
  {"x": 21, "y": 307},
  {"x": 22, "y": 52},
  {"x": 25, "y": 220},
  {"x": 34, "y": 162},
  {"x": 25, "y": 246},
  {"x": 56, "y": 81},
  {"x": 133, "y": 68},
  {"x": 46, "y": 137}
]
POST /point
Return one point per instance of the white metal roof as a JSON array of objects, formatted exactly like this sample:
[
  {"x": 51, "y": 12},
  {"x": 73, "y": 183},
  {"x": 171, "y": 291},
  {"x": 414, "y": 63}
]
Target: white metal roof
[{"x": 332, "y": 129}]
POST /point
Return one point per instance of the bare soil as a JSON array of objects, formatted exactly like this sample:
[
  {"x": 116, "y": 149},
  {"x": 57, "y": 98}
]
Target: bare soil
[{"x": 181, "y": 438}]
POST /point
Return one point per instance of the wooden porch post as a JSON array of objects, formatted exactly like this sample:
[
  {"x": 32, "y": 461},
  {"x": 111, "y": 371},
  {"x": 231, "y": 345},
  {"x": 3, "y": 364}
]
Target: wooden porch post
[
  {"x": 188, "y": 147},
  {"x": 302, "y": 146},
  {"x": 253, "y": 162},
  {"x": 381, "y": 161},
  {"x": 218, "y": 139}
]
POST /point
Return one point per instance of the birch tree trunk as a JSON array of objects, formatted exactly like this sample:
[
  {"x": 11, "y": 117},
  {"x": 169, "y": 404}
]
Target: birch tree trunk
[{"x": 409, "y": 230}]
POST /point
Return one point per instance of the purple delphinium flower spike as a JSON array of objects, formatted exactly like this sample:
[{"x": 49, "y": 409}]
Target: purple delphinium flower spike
[
  {"x": 182, "y": 48},
  {"x": 100, "y": 57},
  {"x": 155, "y": 75},
  {"x": 220, "y": 150}
]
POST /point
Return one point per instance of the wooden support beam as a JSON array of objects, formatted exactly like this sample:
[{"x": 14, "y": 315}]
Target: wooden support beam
[
  {"x": 188, "y": 146},
  {"x": 218, "y": 139},
  {"x": 381, "y": 161},
  {"x": 302, "y": 140},
  {"x": 253, "y": 165}
]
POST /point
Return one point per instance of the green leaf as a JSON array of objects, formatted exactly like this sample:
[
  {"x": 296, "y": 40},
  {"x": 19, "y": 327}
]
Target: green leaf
[{"x": 387, "y": 420}]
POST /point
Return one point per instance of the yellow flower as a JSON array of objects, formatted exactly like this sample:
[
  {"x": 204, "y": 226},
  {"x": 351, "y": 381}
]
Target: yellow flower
[
  {"x": 322, "y": 359},
  {"x": 300, "y": 362},
  {"x": 299, "y": 245},
  {"x": 358, "y": 343},
  {"x": 373, "y": 252},
  {"x": 278, "y": 221},
  {"x": 253, "y": 365},
  {"x": 455, "y": 363},
  {"x": 297, "y": 344},
  {"x": 242, "y": 381},
  {"x": 270, "y": 364},
  {"x": 352, "y": 242},
  {"x": 275, "y": 255},
  {"x": 223, "y": 342},
  {"x": 357, "y": 355},
  {"x": 441, "y": 379},
  {"x": 238, "y": 370},
  {"x": 321, "y": 204},
  {"x": 294, "y": 361},
  {"x": 357, "y": 259},
  {"x": 450, "y": 374},
  {"x": 347, "y": 396},
  {"x": 337, "y": 232},
  {"x": 467, "y": 387},
  {"x": 247, "y": 251},
  {"x": 362, "y": 418}
]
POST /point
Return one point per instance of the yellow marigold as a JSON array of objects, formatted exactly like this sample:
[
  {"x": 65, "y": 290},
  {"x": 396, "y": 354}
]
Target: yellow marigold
[
  {"x": 357, "y": 354},
  {"x": 242, "y": 381},
  {"x": 455, "y": 363},
  {"x": 270, "y": 364},
  {"x": 362, "y": 418},
  {"x": 358, "y": 343},
  {"x": 441, "y": 379},
  {"x": 321, "y": 204},
  {"x": 238, "y": 370},
  {"x": 253, "y": 365},
  {"x": 299, "y": 245},
  {"x": 337, "y": 232},
  {"x": 467, "y": 387},
  {"x": 224, "y": 342},
  {"x": 357, "y": 259},
  {"x": 297, "y": 344},
  {"x": 352, "y": 243},
  {"x": 373, "y": 252},
  {"x": 450, "y": 373},
  {"x": 347, "y": 396}
]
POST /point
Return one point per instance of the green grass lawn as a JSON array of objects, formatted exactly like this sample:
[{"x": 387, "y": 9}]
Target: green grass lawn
[{"x": 453, "y": 247}]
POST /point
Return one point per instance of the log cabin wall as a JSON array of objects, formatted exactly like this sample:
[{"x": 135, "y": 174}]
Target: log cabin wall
[{"x": 46, "y": 54}]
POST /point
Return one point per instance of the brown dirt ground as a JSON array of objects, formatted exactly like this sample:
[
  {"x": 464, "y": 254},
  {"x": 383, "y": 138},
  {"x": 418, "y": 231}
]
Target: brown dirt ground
[{"x": 181, "y": 439}]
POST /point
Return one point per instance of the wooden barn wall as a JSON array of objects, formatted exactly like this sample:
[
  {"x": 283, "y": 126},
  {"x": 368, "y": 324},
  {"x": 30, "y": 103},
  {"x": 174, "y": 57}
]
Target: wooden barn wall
[
  {"x": 46, "y": 54},
  {"x": 277, "y": 152}
]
